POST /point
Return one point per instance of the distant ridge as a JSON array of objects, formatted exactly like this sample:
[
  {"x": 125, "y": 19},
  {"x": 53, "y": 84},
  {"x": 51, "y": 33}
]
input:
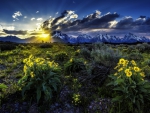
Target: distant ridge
[
  {"x": 58, "y": 36},
  {"x": 128, "y": 38}
]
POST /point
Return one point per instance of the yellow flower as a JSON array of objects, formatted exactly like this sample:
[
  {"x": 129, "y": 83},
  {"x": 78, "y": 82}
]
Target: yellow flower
[
  {"x": 116, "y": 67},
  {"x": 31, "y": 64},
  {"x": 25, "y": 68},
  {"x": 121, "y": 61},
  {"x": 128, "y": 74},
  {"x": 142, "y": 74},
  {"x": 136, "y": 69},
  {"x": 127, "y": 70},
  {"x": 78, "y": 50},
  {"x": 71, "y": 60},
  {"x": 25, "y": 60},
  {"x": 120, "y": 69},
  {"x": 125, "y": 62},
  {"x": 32, "y": 74},
  {"x": 116, "y": 74},
  {"x": 133, "y": 62}
]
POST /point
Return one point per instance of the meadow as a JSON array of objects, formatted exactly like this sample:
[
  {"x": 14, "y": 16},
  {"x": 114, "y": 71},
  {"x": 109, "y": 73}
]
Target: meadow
[{"x": 81, "y": 78}]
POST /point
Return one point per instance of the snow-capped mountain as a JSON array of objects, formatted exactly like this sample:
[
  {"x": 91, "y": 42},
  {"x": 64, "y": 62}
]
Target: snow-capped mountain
[
  {"x": 72, "y": 40},
  {"x": 131, "y": 38},
  {"x": 57, "y": 36},
  {"x": 101, "y": 38},
  {"x": 84, "y": 39},
  {"x": 128, "y": 38}
]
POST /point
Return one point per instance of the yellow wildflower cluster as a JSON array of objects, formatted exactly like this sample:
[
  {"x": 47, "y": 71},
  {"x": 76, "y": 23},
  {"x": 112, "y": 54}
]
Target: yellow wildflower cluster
[
  {"x": 123, "y": 62},
  {"x": 128, "y": 72},
  {"x": 76, "y": 99},
  {"x": 128, "y": 68},
  {"x": 33, "y": 64}
]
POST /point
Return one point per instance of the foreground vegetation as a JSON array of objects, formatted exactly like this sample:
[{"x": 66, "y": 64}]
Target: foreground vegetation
[{"x": 85, "y": 78}]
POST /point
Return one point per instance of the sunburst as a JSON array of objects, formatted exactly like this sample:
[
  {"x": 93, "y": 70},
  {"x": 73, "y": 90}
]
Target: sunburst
[{"x": 44, "y": 35}]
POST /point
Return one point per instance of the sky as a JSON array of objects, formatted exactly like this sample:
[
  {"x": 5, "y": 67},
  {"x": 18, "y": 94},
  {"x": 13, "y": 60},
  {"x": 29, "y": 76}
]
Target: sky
[{"x": 26, "y": 18}]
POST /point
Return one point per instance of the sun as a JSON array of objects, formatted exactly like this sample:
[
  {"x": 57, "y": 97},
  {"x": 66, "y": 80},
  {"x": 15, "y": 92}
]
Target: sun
[{"x": 44, "y": 35}]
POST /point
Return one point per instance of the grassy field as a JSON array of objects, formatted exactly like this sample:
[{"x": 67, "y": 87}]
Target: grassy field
[{"x": 83, "y": 78}]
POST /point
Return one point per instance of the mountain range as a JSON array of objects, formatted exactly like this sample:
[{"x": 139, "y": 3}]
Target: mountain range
[
  {"x": 128, "y": 38},
  {"x": 18, "y": 40},
  {"x": 57, "y": 36}
]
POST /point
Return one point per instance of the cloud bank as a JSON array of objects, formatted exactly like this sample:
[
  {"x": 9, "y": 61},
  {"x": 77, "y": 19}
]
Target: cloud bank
[
  {"x": 14, "y": 32},
  {"x": 94, "y": 23},
  {"x": 68, "y": 22}
]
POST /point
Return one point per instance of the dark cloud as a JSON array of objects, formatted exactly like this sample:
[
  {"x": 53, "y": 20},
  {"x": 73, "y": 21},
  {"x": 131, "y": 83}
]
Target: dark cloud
[
  {"x": 147, "y": 22},
  {"x": 35, "y": 33},
  {"x": 65, "y": 18},
  {"x": 125, "y": 23},
  {"x": 138, "y": 25},
  {"x": 94, "y": 20},
  {"x": 142, "y": 16},
  {"x": 14, "y": 32},
  {"x": 63, "y": 14},
  {"x": 97, "y": 21},
  {"x": 103, "y": 22}
]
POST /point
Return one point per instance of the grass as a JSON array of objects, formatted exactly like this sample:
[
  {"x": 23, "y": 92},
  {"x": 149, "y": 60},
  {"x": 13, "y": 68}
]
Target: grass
[{"x": 81, "y": 88}]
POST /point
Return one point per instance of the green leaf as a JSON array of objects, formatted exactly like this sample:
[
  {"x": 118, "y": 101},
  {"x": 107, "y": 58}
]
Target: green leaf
[
  {"x": 3, "y": 86},
  {"x": 147, "y": 85},
  {"x": 24, "y": 78},
  {"x": 109, "y": 84},
  {"x": 112, "y": 77},
  {"x": 50, "y": 92},
  {"x": 118, "y": 89},
  {"x": 43, "y": 85},
  {"x": 119, "y": 81},
  {"x": 38, "y": 94},
  {"x": 133, "y": 99},
  {"x": 117, "y": 99},
  {"x": 143, "y": 90},
  {"x": 27, "y": 87},
  {"x": 54, "y": 86}
]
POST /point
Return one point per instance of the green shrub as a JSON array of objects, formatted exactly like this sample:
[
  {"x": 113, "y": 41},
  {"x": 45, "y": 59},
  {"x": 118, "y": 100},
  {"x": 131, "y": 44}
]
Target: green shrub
[
  {"x": 146, "y": 70},
  {"x": 61, "y": 56},
  {"x": 131, "y": 90},
  {"x": 131, "y": 48},
  {"x": 85, "y": 53},
  {"x": 77, "y": 52},
  {"x": 41, "y": 77},
  {"x": 46, "y": 45},
  {"x": 49, "y": 54},
  {"x": 2, "y": 87},
  {"x": 140, "y": 47},
  {"x": 147, "y": 47},
  {"x": 98, "y": 45},
  {"x": 135, "y": 56},
  {"x": 106, "y": 55},
  {"x": 74, "y": 66},
  {"x": 6, "y": 46}
]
